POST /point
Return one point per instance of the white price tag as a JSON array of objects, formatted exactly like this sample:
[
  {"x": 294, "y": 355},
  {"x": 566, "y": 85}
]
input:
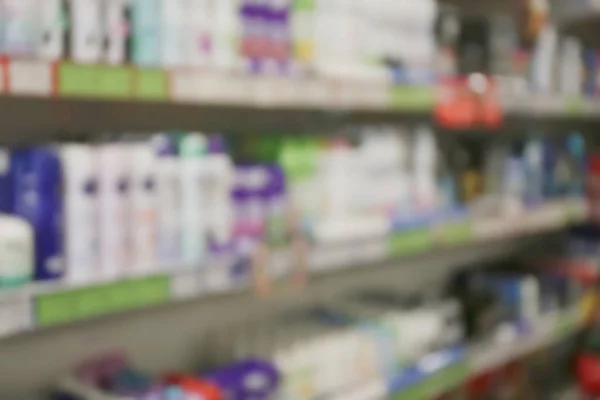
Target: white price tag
[
  {"x": 264, "y": 91},
  {"x": 343, "y": 95},
  {"x": 185, "y": 285},
  {"x": 2, "y": 79},
  {"x": 186, "y": 86},
  {"x": 318, "y": 93},
  {"x": 288, "y": 91},
  {"x": 317, "y": 260},
  {"x": 280, "y": 263},
  {"x": 340, "y": 257},
  {"x": 239, "y": 89},
  {"x": 378, "y": 97},
  {"x": 545, "y": 217},
  {"x": 209, "y": 87},
  {"x": 217, "y": 280},
  {"x": 30, "y": 78},
  {"x": 491, "y": 228},
  {"x": 373, "y": 251},
  {"x": 16, "y": 316}
]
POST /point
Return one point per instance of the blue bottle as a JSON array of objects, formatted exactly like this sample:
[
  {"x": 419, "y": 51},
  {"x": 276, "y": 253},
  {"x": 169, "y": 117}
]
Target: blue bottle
[
  {"x": 575, "y": 147},
  {"x": 37, "y": 199},
  {"x": 146, "y": 32}
]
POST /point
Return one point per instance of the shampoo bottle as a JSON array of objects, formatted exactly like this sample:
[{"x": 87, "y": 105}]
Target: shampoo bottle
[
  {"x": 86, "y": 31},
  {"x": 174, "y": 32},
  {"x": 80, "y": 194},
  {"x": 200, "y": 30},
  {"x": 303, "y": 28},
  {"x": 117, "y": 31},
  {"x": 17, "y": 251},
  {"x": 192, "y": 150},
  {"x": 146, "y": 32},
  {"x": 21, "y": 27},
  {"x": 577, "y": 154},
  {"x": 226, "y": 35},
  {"x": 37, "y": 199},
  {"x": 168, "y": 197},
  {"x": 424, "y": 169},
  {"x": 113, "y": 195},
  {"x": 52, "y": 22},
  {"x": 219, "y": 181},
  {"x": 143, "y": 207},
  {"x": 534, "y": 170}
]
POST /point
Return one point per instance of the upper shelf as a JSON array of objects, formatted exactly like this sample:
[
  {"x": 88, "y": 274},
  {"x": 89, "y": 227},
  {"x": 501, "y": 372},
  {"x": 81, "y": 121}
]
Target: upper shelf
[
  {"x": 569, "y": 12},
  {"x": 481, "y": 7},
  {"x": 43, "y": 101}
]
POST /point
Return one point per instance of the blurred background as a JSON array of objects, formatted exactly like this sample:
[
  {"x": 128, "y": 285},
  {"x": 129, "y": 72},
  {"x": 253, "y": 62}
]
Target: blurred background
[{"x": 299, "y": 199}]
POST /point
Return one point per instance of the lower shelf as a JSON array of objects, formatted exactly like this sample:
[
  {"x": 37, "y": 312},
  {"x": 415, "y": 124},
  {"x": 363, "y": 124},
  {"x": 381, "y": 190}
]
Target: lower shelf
[
  {"x": 439, "y": 373},
  {"x": 40, "y": 305}
]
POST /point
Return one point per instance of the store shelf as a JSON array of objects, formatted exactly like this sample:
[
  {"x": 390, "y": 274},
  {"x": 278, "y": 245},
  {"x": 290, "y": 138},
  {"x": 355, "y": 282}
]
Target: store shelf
[
  {"x": 70, "y": 100},
  {"x": 550, "y": 106},
  {"x": 570, "y": 12},
  {"x": 39, "y": 305},
  {"x": 439, "y": 373}
]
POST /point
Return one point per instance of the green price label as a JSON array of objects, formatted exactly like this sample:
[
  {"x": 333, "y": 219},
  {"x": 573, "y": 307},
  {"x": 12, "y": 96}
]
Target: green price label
[
  {"x": 92, "y": 302},
  {"x": 455, "y": 233},
  {"x": 54, "y": 309},
  {"x": 566, "y": 325},
  {"x": 574, "y": 214},
  {"x": 113, "y": 82},
  {"x": 89, "y": 303},
  {"x": 574, "y": 106},
  {"x": 152, "y": 291},
  {"x": 77, "y": 80},
  {"x": 412, "y": 98},
  {"x": 151, "y": 84},
  {"x": 411, "y": 242},
  {"x": 437, "y": 384}
]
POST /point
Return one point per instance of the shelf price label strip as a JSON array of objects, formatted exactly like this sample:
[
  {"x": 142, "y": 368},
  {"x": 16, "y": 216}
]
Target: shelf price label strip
[
  {"x": 119, "y": 82},
  {"x": 80, "y": 304}
]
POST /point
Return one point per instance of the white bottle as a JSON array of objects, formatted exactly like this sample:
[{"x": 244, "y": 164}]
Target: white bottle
[
  {"x": 544, "y": 60},
  {"x": 17, "y": 261},
  {"x": 405, "y": 205},
  {"x": 142, "y": 207},
  {"x": 21, "y": 27},
  {"x": 116, "y": 30},
  {"x": 174, "y": 32},
  {"x": 80, "y": 173},
  {"x": 226, "y": 35},
  {"x": 424, "y": 170},
  {"x": 52, "y": 29},
  {"x": 114, "y": 188},
  {"x": 219, "y": 181},
  {"x": 571, "y": 69},
  {"x": 86, "y": 31},
  {"x": 198, "y": 40},
  {"x": 192, "y": 150},
  {"x": 168, "y": 198}
]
